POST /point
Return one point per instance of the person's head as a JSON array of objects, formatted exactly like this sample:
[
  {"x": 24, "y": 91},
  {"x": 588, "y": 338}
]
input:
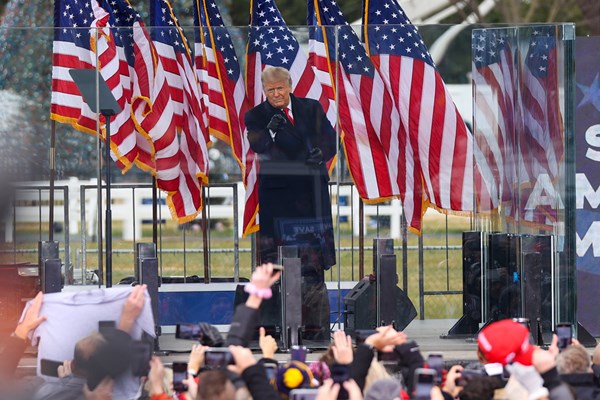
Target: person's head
[
  {"x": 85, "y": 350},
  {"x": 480, "y": 388},
  {"x": 215, "y": 385},
  {"x": 504, "y": 342},
  {"x": 573, "y": 360},
  {"x": 277, "y": 86}
]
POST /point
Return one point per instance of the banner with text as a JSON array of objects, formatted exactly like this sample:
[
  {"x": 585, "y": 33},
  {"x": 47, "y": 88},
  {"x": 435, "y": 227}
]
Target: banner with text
[{"x": 587, "y": 130}]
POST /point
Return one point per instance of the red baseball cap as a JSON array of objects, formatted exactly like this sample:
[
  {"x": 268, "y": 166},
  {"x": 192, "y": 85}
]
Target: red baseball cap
[{"x": 505, "y": 342}]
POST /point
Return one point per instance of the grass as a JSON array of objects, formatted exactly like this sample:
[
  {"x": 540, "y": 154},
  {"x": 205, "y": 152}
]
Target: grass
[{"x": 182, "y": 254}]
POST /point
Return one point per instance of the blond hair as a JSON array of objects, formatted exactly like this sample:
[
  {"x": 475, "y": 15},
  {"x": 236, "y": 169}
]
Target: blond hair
[{"x": 275, "y": 74}]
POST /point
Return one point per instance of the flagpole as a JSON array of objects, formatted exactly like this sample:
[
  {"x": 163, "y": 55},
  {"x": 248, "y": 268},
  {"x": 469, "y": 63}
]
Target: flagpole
[
  {"x": 205, "y": 237},
  {"x": 52, "y": 175},
  {"x": 99, "y": 214}
]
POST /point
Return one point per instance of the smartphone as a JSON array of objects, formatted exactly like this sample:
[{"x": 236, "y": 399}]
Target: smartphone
[
  {"x": 217, "y": 357},
  {"x": 50, "y": 367},
  {"x": 140, "y": 357},
  {"x": 179, "y": 374},
  {"x": 436, "y": 362},
  {"x": 271, "y": 370},
  {"x": 564, "y": 331},
  {"x": 466, "y": 375},
  {"x": 298, "y": 353},
  {"x": 188, "y": 331},
  {"x": 103, "y": 326},
  {"x": 304, "y": 394},
  {"x": 424, "y": 382}
]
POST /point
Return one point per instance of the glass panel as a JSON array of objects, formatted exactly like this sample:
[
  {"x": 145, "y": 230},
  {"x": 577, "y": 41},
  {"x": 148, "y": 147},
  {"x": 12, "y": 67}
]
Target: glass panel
[{"x": 523, "y": 132}]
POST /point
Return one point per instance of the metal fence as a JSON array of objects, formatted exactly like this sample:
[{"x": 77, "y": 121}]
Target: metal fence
[{"x": 429, "y": 266}]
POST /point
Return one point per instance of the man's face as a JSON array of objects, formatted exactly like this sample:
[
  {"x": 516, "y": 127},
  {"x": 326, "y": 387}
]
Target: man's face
[{"x": 278, "y": 93}]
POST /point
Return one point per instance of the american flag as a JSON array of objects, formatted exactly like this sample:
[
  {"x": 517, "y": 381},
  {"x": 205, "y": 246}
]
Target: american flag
[
  {"x": 271, "y": 43},
  {"x": 150, "y": 98},
  {"x": 444, "y": 144},
  {"x": 542, "y": 141},
  {"x": 494, "y": 83},
  {"x": 372, "y": 135},
  {"x": 185, "y": 199},
  {"x": 218, "y": 66},
  {"x": 83, "y": 39}
]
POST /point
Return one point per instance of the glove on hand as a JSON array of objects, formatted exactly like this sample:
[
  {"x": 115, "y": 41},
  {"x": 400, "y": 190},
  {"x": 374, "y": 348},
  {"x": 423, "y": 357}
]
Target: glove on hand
[
  {"x": 276, "y": 122},
  {"x": 315, "y": 157}
]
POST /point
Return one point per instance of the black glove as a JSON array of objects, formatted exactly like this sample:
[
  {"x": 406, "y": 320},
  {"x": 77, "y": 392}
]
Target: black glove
[
  {"x": 315, "y": 157},
  {"x": 210, "y": 336},
  {"x": 276, "y": 122}
]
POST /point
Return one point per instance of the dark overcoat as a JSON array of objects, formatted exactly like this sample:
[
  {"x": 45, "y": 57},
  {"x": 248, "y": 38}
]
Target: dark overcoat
[{"x": 294, "y": 202}]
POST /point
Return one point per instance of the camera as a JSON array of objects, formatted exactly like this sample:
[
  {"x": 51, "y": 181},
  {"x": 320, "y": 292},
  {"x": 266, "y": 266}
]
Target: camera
[
  {"x": 466, "y": 375},
  {"x": 140, "y": 357}
]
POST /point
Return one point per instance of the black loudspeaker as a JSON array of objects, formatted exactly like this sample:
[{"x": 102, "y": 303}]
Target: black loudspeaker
[
  {"x": 472, "y": 264},
  {"x": 503, "y": 277},
  {"x": 148, "y": 273},
  {"x": 142, "y": 251},
  {"x": 51, "y": 277},
  {"x": 47, "y": 250},
  {"x": 360, "y": 308},
  {"x": 536, "y": 287}
]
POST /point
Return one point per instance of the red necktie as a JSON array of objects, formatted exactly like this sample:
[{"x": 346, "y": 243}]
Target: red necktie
[{"x": 288, "y": 114}]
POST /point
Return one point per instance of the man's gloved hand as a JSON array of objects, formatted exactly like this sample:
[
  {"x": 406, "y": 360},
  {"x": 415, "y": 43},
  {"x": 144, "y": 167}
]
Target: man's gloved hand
[
  {"x": 315, "y": 157},
  {"x": 276, "y": 122}
]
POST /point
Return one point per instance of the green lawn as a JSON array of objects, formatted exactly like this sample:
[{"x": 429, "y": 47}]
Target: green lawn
[{"x": 181, "y": 254}]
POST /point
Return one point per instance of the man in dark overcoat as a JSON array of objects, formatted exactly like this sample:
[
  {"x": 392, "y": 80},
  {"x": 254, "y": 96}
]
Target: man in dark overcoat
[{"x": 294, "y": 139}]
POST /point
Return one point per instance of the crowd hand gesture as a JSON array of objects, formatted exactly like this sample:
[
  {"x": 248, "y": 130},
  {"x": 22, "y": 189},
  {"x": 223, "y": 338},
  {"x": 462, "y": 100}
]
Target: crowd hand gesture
[
  {"x": 196, "y": 359},
  {"x": 342, "y": 348},
  {"x": 102, "y": 392},
  {"x": 32, "y": 318},
  {"x": 65, "y": 369},
  {"x": 330, "y": 390},
  {"x": 156, "y": 377},
  {"x": 263, "y": 276},
  {"x": 192, "y": 392},
  {"x": 450, "y": 382},
  {"x": 386, "y": 339},
  {"x": 267, "y": 344},
  {"x": 132, "y": 308},
  {"x": 243, "y": 359}
]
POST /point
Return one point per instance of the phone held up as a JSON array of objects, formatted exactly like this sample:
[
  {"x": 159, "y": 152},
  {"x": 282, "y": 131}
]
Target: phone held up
[
  {"x": 188, "y": 331},
  {"x": 436, "y": 363},
  {"x": 564, "y": 331},
  {"x": 424, "y": 382},
  {"x": 179, "y": 375},
  {"x": 49, "y": 367},
  {"x": 217, "y": 358}
]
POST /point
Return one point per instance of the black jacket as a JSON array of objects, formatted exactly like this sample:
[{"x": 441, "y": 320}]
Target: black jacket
[
  {"x": 294, "y": 203},
  {"x": 584, "y": 385}
]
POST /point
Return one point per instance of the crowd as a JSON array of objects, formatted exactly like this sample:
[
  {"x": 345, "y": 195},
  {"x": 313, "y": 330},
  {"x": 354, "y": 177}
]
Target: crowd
[{"x": 381, "y": 364}]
